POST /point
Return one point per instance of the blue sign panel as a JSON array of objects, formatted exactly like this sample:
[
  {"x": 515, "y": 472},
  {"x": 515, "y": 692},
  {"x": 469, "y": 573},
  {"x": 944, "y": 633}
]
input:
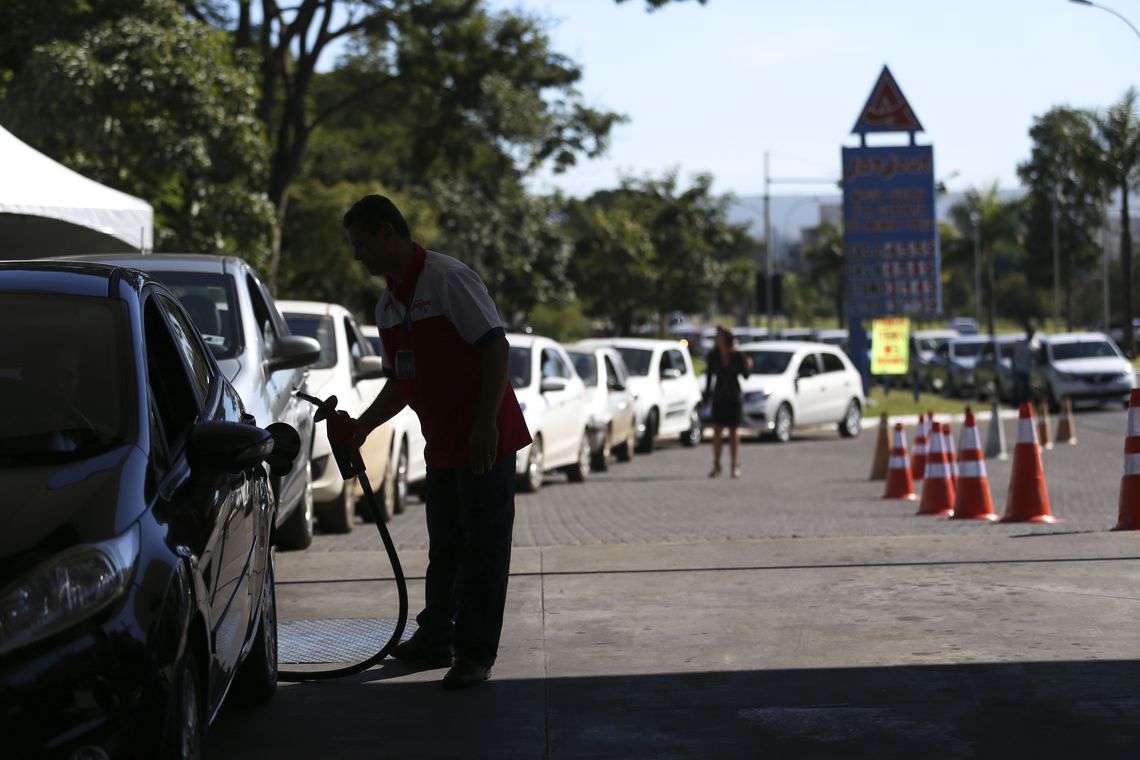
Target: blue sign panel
[{"x": 892, "y": 258}]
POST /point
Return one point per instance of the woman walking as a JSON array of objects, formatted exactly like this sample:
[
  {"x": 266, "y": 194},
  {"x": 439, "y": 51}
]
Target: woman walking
[{"x": 722, "y": 387}]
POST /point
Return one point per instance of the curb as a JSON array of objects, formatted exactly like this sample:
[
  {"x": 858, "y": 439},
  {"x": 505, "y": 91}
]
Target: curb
[{"x": 957, "y": 419}]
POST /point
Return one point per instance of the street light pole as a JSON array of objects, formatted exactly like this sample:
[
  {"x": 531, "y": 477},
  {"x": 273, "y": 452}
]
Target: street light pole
[
  {"x": 976, "y": 218},
  {"x": 1109, "y": 10},
  {"x": 1056, "y": 265},
  {"x": 767, "y": 244}
]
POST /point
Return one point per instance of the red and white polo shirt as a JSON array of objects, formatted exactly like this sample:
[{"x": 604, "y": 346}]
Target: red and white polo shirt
[{"x": 452, "y": 317}]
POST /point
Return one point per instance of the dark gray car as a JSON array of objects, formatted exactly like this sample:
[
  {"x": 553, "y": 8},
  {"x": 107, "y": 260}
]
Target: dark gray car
[{"x": 265, "y": 363}]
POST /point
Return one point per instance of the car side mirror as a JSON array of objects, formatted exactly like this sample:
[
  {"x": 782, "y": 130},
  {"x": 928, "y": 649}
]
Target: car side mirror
[
  {"x": 293, "y": 351},
  {"x": 228, "y": 446},
  {"x": 553, "y": 384},
  {"x": 367, "y": 368},
  {"x": 670, "y": 374}
]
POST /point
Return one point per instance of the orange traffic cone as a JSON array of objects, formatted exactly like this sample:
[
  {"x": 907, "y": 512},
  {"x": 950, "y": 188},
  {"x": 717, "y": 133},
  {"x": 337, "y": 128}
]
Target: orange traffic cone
[
  {"x": 1130, "y": 481},
  {"x": 937, "y": 491},
  {"x": 1066, "y": 428},
  {"x": 900, "y": 485},
  {"x": 918, "y": 458},
  {"x": 1028, "y": 499},
  {"x": 951, "y": 454},
  {"x": 882, "y": 451},
  {"x": 972, "y": 500},
  {"x": 1043, "y": 433}
]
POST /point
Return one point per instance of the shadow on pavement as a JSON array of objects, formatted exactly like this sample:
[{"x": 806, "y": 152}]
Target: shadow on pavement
[{"x": 1017, "y": 710}]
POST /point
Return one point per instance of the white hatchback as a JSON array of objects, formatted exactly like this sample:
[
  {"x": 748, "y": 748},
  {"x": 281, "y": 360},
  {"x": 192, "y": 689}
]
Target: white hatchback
[
  {"x": 554, "y": 404},
  {"x": 664, "y": 388},
  {"x": 800, "y": 384},
  {"x": 613, "y": 419},
  {"x": 349, "y": 369}
]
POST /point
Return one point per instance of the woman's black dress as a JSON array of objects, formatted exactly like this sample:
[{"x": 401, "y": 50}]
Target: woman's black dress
[{"x": 724, "y": 388}]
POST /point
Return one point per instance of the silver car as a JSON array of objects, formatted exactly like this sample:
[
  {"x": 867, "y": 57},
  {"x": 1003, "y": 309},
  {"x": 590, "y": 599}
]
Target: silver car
[
  {"x": 265, "y": 363},
  {"x": 612, "y": 424}
]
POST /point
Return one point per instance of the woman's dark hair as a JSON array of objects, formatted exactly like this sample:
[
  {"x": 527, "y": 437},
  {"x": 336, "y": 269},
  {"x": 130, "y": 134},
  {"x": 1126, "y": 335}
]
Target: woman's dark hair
[
  {"x": 727, "y": 334},
  {"x": 375, "y": 210}
]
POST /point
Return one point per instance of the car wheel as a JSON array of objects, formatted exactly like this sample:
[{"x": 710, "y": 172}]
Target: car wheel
[
  {"x": 692, "y": 436},
  {"x": 337, "y": 516},
  {"x": 648, "y": 441},
  {"x": 784, "y": 422},
  {"x": 578, "y": 471},
  {"x": 256, "y": 681},
  {"x": 531, "y": 480},
  {"x": 401, "y": 479},
  {"x": 624, "y": 450},
  {"x": 184, "y": 737},
  {"x": 851, "y": 424},
  {"x": 600, "y": 461},
  {"x": 297, "y": 530}
]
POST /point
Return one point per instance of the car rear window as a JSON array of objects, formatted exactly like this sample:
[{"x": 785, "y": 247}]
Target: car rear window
[
  {"x": 321, "y": 329},
  {"x": 212, "y": 304},
  {"x": 966, "y": 349},
  {"x": 770, "y": 362}
]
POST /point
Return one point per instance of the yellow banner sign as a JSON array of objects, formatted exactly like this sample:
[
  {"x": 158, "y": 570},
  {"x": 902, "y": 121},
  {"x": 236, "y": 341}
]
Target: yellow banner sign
[{"x": 889, "y": 353}]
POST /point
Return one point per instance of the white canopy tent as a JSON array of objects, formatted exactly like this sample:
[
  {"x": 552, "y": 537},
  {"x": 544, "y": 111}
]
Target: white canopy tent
[{"x": 47, "y": 209}]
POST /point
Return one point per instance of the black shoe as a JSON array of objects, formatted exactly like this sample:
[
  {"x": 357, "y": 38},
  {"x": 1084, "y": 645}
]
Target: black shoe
[
  {"x": 414, "y": 650},
  {"x": 465, "y": 674}
]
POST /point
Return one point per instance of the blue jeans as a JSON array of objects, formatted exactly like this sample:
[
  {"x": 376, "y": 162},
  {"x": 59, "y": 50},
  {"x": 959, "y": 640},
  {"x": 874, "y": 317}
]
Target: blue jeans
[{"x": 469, "y": 520}]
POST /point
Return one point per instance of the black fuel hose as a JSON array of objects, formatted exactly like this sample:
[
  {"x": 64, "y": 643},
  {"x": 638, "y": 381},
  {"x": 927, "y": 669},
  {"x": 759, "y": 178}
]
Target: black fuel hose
[{"x": 292, "y": 676}]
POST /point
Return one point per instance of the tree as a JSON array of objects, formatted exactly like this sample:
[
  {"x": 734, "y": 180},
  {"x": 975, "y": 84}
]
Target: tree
[
  {"x": 153, "y": 104},
  {"x": 1059, "y": 181},
  {"x": 825, "y": 266},
  {"x": 1116, "y": 130},
  {"x": 1000, "y": 229}
]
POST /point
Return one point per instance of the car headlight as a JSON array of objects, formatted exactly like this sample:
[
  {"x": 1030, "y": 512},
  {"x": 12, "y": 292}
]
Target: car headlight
[
  {"x": 756, "y": 397},
  {"x": 65, "y": 589}
]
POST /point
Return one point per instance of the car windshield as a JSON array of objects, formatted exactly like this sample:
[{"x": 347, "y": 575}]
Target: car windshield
[
  {"x": 321, "y": 329},
  {"x": 769, "y": 362},
  {"x": 586, "y": 366},
  {"x": 636, "y": 360},
  {"x": 518, "y": 365},
  {"x": 1085, "y": 349},
  {"x": 967, "y": 350},
  {"x": 66, "y": 377},
  {"x": 212, "y": 304}
]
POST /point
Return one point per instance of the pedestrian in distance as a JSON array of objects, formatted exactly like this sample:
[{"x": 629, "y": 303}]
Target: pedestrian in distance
[
  {"x": 446, "y": 354},
  {"x": 726, "y": 366},
  {"x": 1024, "y": 354}
]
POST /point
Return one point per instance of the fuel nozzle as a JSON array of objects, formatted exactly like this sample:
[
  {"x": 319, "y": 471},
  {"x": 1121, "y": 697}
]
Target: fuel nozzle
[{"x": 341, "y": 434}]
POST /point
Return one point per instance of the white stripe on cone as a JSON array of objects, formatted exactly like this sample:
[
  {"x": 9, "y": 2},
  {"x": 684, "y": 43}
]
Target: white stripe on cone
[
  {"x": 1132, "y": 464},
  {"x": 898, "y": 463},
  {"x": 972, "y": 469},
  {"x": 937, "y": 471},
  {"x": 971, "y": 439},
  {"x": 1026, "y": 431},
  {"x": 1133, "y": 421}
]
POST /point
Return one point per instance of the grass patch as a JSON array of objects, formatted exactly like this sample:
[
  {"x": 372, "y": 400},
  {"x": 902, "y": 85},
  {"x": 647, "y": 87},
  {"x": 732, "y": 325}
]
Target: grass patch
[{"x": 901, "y": 402}]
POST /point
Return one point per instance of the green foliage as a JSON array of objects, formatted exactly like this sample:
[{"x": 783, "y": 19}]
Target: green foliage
[
  {"x": 825, "y": 267},
  {"x": 562, "y": 323},
  {"x": 154, "y": 105}
]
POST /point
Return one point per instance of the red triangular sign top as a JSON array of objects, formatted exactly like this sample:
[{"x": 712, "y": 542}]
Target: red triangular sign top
[{"x": 887, "y": 110}]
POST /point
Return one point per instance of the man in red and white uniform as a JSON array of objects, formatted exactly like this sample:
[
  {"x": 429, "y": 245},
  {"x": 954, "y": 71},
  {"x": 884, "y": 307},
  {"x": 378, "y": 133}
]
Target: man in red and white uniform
[{"x": 446, "y": 355}]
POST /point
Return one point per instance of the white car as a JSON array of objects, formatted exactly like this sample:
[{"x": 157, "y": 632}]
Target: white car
[
  {"x": 349, "y": 369},
  {"x": 664, "y": 387},
  {"x": 799, "y": 384},
  {"x": 554, "y": 404},
  {"x": 613, "y": 419},
  {"x": 1084, "y": 367},
  {"x": 372, "y": 334}
]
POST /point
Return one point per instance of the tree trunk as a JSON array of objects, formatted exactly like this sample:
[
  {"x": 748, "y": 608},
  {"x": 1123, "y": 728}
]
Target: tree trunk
[
  {"x": 243, "y": 38},
  {"x": 1126, "y": 268}
]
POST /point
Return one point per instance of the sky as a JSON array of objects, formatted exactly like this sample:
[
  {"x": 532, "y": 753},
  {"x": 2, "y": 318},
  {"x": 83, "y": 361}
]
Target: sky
[{"x": 710, "y": 88}]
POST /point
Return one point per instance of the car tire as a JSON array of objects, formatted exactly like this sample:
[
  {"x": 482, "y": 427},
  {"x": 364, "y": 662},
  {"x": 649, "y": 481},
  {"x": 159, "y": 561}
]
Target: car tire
[
  {"x": 337, "y": 516},
  {"x": 600, "y": 461},
  {"x": 648, "y": 441},
  {"x": 400, "y": 479},
  {"x": 578, "y": 471},
  {"x": 256, "y": 680},
  {"x": 185, "y": 737},
  {"x": 624, "y": 450},
  {"x": 851, "y": 423},
  {"x": 784, "y": 424},
  {"x": 531, "y": 480},
  {"x": 692, "y": 436},
  {"x": 297, "y": 530}
]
